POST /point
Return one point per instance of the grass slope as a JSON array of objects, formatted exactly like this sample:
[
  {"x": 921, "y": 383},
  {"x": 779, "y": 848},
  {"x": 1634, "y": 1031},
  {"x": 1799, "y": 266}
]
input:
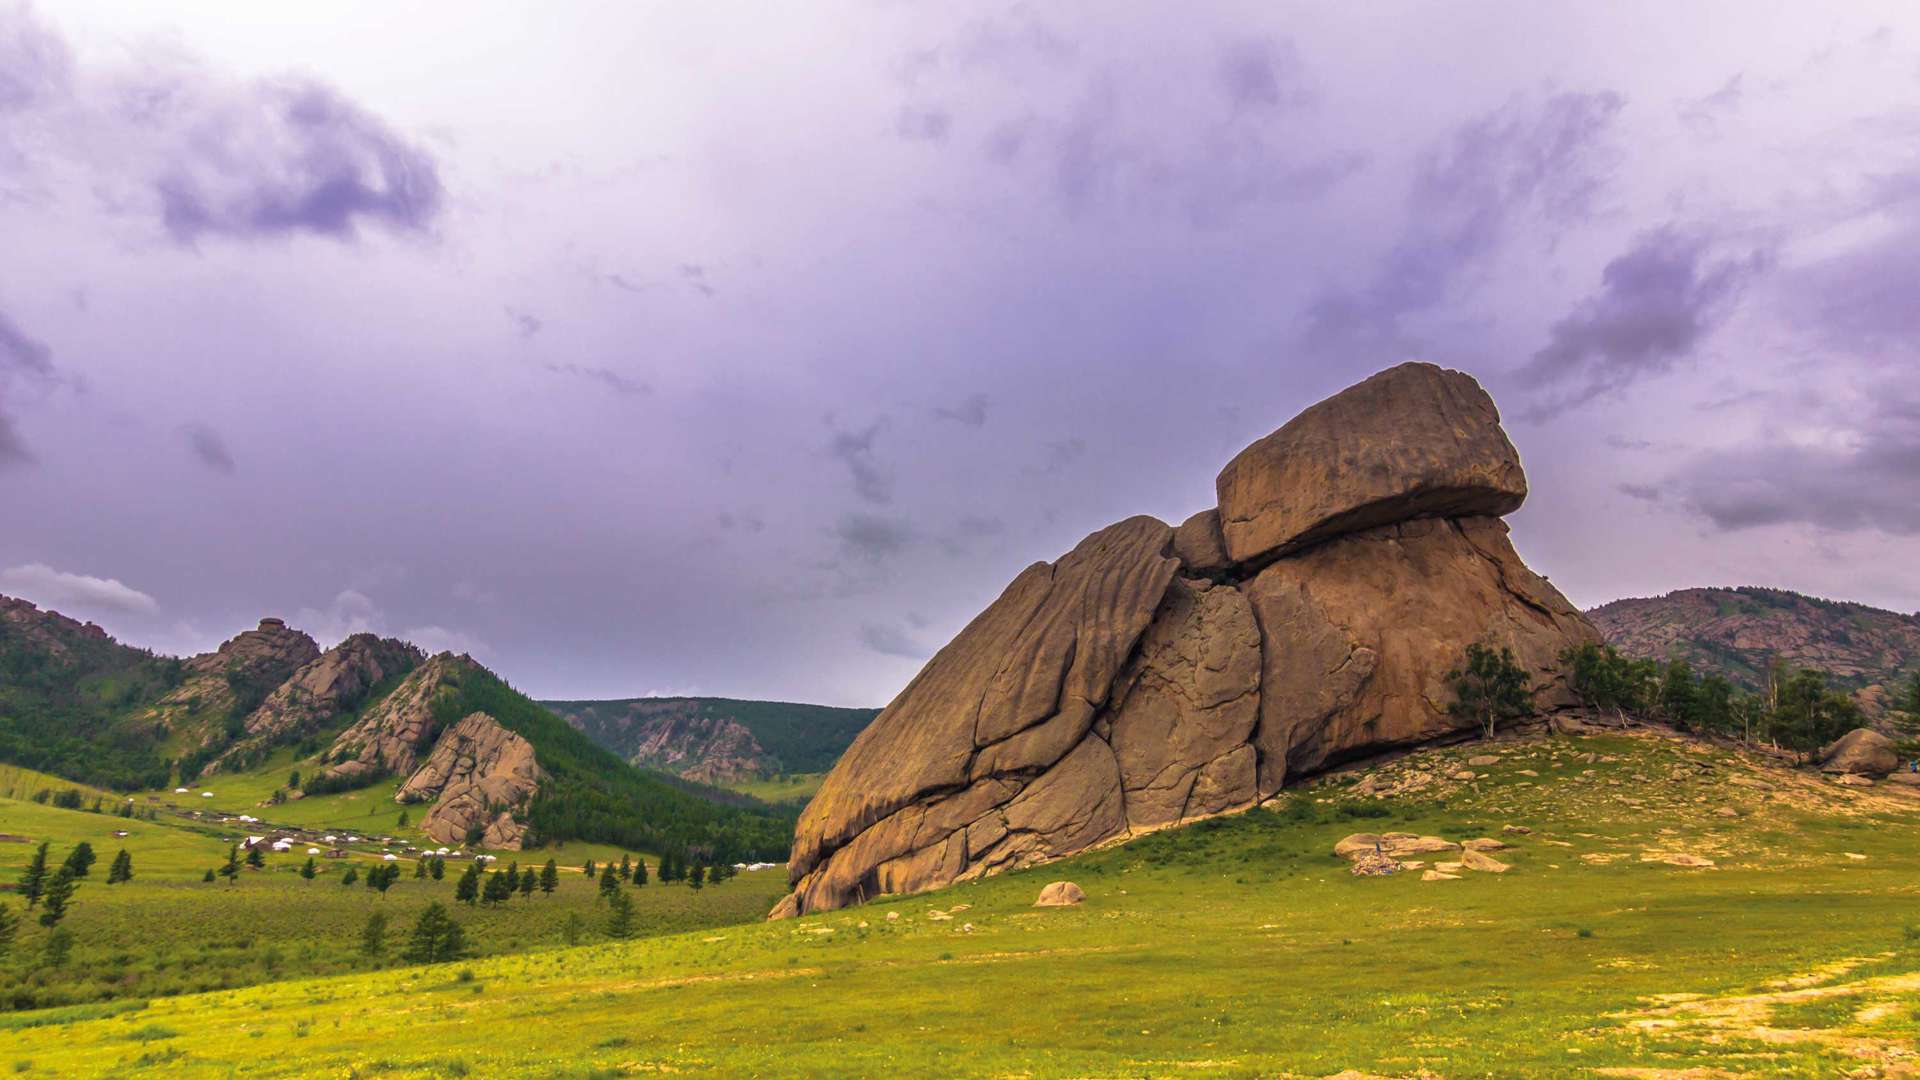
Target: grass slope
[
  {"x": 1237, "y": 947},
  {"x": 168, "y": 932}
]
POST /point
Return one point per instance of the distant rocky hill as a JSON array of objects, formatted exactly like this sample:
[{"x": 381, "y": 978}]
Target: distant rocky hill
[
  {"x": 718, "y": 740},
  {"x": 1738, "y": 632},
  {"x": 488, "y": 764}
]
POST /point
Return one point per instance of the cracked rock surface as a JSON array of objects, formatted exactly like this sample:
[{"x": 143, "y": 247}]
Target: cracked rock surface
[{"x": 1156, "y": 675}]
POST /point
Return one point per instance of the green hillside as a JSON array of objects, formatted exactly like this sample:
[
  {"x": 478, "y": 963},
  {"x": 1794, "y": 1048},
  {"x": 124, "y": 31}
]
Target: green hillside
[
  {"x": 1238, "y": 947},
  {"x": 66, "y": 690}
]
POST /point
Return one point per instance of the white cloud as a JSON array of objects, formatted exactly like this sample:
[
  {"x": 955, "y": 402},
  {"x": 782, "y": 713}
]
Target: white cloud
[
  {"x": 58, "y": 589},
  {"x": 439, "y": 639},
  {"x": 351, "y": 612}
]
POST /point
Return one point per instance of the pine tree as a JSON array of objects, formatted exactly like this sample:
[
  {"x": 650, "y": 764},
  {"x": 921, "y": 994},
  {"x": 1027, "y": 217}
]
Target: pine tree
[
  {"x": 310, "y": 870},
  {"x": 352, "y": 875},
  {"x": 467, "y": 890},
  {"x": 80, "y": 859},
  {"x": 528, "y": 882},
  {"x": 609, "y": 882},
  {"x": 33, "y": 882},
  {"x": 401, "y": 823},
  {"x": 571, "y": 930},
  {"x": 497, "y": 888},
  {"x": 626, "y": 869},
  {"x": 639, "y": 873},
  {"x": 256, "y": 858},
  {"x": 9, "y": 927},
  {"x": 439, "y": 868},
  {"x": 419, "y": 869},
  {"x": 389, "y": 874},
  {"x": 513, "y": 876},
  {"x": 588, "y": 869},
  {"x": 697, "y": 876},
  {"x": 436, "y": 938},
  {"x": 231, "y": 871},
  {"x": 373, "y": 936},
  {"x": 208, "y": 878},
  {"x": 58, "y": 947},
  {"x": 122, "y": 868},
  {"x": 54, "y": 901},
  {"x": 620, "y": 916},
  {"x": 549, "y": 877}
]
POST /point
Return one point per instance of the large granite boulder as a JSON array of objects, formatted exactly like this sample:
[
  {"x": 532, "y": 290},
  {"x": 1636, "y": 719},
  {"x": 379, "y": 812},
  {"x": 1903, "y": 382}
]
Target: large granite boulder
[
  {"x": 478, "y": 775},
  {"x": 1413, "y": 441},
  {"x": 236, "y": 677},
  {"x": 1156, "y": 675},
  {"x": 1860, "y": 752}
]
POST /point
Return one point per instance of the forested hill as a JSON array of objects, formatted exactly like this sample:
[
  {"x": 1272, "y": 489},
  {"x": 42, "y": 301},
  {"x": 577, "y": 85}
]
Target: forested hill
[
  {"x": 1738, "y": 632},
  {"x": 718, "y": 740},
  {"x": 64, "y": 688}
]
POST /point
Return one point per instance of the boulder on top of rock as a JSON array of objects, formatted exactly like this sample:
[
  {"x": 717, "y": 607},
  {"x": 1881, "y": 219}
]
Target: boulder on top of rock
[
  {"x": 1154, "y": 676},
  {"x": 1060, "y": 894},
  {"x": 1412, "y": 441},
  {"x": 1862, "y": 752}
]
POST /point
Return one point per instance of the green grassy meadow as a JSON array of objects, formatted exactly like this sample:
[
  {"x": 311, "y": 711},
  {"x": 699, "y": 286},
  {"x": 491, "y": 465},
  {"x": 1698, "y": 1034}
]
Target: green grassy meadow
[
  {"x": 792, "y": 788},
  {"x": 1237, "y": 947}
]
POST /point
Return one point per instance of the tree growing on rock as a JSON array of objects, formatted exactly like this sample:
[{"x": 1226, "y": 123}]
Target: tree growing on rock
[{"x": 1490, "y": 688}]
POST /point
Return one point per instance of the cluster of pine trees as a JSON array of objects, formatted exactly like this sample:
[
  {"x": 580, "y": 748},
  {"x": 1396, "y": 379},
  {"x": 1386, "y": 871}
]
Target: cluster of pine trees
[
  {"x": 1798, "y": 709},
  {"x": 51, "y": 890},
  {"x": 478, "y": 886}
]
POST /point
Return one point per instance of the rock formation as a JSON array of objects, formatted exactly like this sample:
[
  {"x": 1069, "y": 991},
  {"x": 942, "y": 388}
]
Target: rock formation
[
  {"x": 233, "y": 679},
  {"x": 1154, "y": 675},
  {"x": 477, "y": 775},
  {"x": 324, "y": 689},
  {"x": 394, "y": 732}
]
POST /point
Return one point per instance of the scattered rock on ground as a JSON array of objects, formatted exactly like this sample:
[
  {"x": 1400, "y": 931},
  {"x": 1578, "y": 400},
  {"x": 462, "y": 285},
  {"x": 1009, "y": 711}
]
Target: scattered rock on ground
[
  {"x": 1436, "y": 875},
  {"x": 1060, "y": 894},
  {"x": 1485, "y": 843},
  {"x": 1486, "y": 864},
  {"x": 1480, "y": 760},
  {"x": 1519, "y": 829}
]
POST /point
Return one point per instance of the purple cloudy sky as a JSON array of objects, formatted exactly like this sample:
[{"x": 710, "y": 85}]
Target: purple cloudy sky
[{"x": 749, "y": 349}]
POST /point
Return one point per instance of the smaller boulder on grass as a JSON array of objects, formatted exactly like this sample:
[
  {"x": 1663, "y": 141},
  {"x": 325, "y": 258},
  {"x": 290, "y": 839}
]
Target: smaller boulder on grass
[
  {"x": 1060, "y": 894},
  {"x": 1485, "y": 864}
]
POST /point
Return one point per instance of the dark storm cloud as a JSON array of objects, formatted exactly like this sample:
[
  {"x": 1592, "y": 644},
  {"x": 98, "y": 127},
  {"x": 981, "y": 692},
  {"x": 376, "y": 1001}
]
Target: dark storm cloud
[
  {"x": 872, "y": 537},
  {"x": 1467, "y": 193},
  {"x": 209, "y": 448},
  {"x": 969, "y": 531},
  {"x": 1865, "y": 299},
  {"x": 872, "y": 480},
  {"x": 525, "y": 325},
  {"x": 1657, "y": 300},
  {"x": 1852, "y": 465},
  {"x": 320, "y": 165},
  {"x": 888, "y": 639},
  {"x": 253, "y": 160},
  {"x": 1261, "y": 73},
  {"x": 607, "y": 377},
  {"x": 970, "y": 412},
  {"x": 23, "y": 360}
]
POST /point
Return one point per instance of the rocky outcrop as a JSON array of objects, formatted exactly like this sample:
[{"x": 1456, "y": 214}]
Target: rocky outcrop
[
  {"x": 1413, "y": 441},
  {"x": 1156, "y": 675},
  {"x": 477, "y": 777},
  {"x": 395, "y": 731},
  {"x": 235, "y": 678},
  {"x": 710, "y": 749},
  {"x": 1860, "y": 752},
  {"x": 321, "y": 691},
  {"x": 1740, "y": 633}
]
